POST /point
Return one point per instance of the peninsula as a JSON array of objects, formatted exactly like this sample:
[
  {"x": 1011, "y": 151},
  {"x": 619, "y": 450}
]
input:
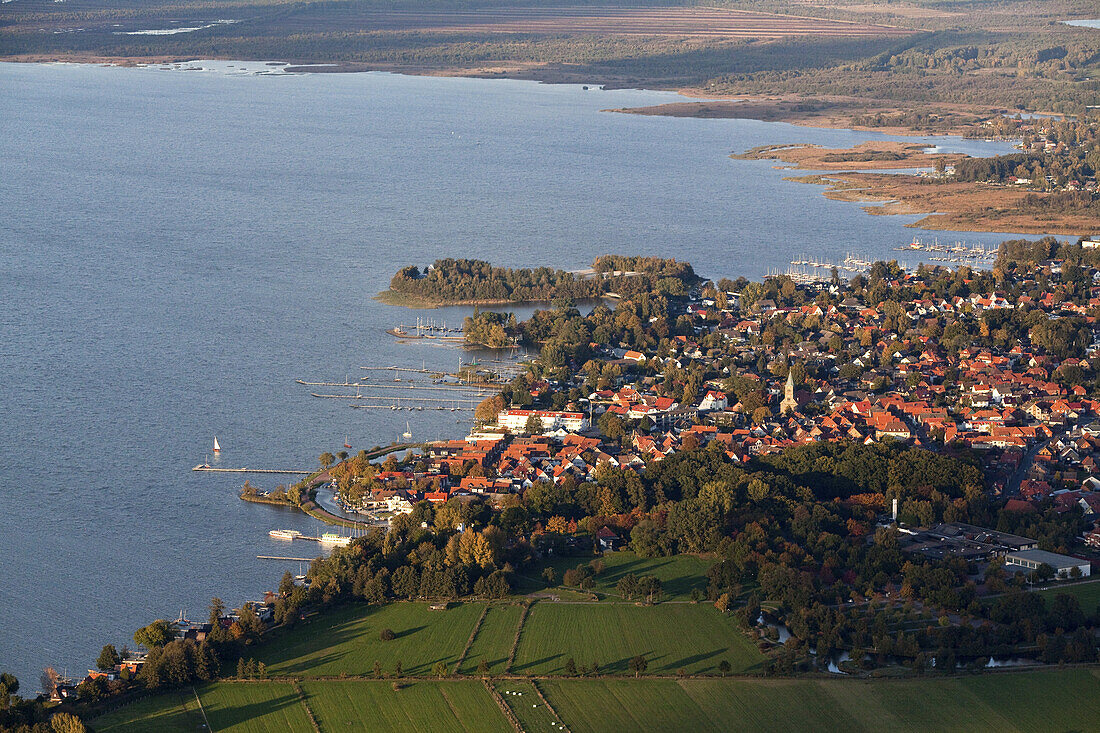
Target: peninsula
[{"x": 785, "y": 492}]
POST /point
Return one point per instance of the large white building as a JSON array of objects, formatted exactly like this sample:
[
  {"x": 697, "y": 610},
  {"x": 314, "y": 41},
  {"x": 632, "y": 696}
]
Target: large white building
[
  {"x": 1031, "y": 560},
  {"x": 516, "y": 420}
]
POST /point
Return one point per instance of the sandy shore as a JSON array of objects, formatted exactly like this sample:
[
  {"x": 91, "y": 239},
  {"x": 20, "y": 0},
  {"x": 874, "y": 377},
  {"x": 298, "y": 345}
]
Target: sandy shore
[{"x": 966, "y": 207}]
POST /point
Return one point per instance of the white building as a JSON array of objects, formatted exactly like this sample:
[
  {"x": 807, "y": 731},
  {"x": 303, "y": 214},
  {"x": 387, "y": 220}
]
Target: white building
[
  {"x": 516, "y": 420},
  {"x": 713, "y": 400},
  {"x": 1031, "y": 559}
]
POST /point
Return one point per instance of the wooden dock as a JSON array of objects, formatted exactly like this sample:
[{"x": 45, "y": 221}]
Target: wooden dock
[
  {"x": 212, "y": 469},
  {"x": 295, "y": 559}
]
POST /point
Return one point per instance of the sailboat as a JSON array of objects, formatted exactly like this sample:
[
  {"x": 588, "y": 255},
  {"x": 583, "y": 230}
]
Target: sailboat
[
  {"x": 217, "y": 446},
  {"x": 346, "y": 443},
  {"x": 408, "y": 431}
]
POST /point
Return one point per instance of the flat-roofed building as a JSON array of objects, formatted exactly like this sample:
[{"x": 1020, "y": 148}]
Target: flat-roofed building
[{"x": 1063, "y": 564}]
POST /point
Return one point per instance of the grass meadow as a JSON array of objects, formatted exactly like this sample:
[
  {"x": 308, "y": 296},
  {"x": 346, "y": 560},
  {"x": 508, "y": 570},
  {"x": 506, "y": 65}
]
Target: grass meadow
[
  {"x": 437, "y": 706},
  {"x": 1088, "y": 594},
  {"x": 694, "y": 638},
  {"x": 1031, "y": 701},
  {"x": 678, "y": 574},
  {"x": 493, "y": 642},
  {"x": 346, "y": 640}
]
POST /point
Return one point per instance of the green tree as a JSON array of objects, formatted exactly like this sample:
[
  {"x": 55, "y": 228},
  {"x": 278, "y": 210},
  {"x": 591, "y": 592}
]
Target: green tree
[
  {"x": 156, "y": 634},
  {"x": 638, "y": 665},
  {"x": 326, "y": 459},
  {"x": 611, "y": 425},
  {"x": 66, "y": 723},
  {"x": 9, "y": 685},
  {"x": 534, "y": 425},
  {"x": 439, "y": 669},
  {"x": 217, "y": 610},
  {"x": 108, "y": 658}
]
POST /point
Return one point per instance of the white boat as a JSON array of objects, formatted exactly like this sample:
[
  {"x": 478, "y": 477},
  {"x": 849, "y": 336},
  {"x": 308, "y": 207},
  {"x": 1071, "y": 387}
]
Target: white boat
[
  {"x": 217, "y": 446},
  {"x": 408, "y": 431},
  {"x": 284, "y": 534},
  {"x": 331, "y": 538}
]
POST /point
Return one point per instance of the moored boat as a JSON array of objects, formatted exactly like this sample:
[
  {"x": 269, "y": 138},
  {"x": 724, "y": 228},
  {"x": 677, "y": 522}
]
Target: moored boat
[{"x": 284, "y": 534}]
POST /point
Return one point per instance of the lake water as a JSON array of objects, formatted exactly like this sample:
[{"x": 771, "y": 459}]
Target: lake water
[
  {"x": 177, "y": 247},
  {"x": 1084, "y": 23}
]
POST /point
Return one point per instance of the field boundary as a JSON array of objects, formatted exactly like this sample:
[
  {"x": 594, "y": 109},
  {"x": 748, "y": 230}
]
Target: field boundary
[
  {"x": 470, "y": 641},
  {"x": 305, "y": 704},
  {"x": 503, "y": 705},
  {"x": 515, "y": 641},
  {"x": 201, "y": 708},
  {"x": 538, "y": 691}
]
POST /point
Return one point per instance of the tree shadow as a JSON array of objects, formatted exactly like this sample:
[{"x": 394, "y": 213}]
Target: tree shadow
[{"x": 222, "y": 718}]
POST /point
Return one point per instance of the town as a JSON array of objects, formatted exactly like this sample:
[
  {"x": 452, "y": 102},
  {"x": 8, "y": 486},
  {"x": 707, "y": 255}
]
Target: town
[{"x": 894, "y": 473}]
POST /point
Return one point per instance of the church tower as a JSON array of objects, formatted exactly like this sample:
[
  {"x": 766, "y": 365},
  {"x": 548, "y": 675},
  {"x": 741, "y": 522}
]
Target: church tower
[{"x": 789, "y": 402}]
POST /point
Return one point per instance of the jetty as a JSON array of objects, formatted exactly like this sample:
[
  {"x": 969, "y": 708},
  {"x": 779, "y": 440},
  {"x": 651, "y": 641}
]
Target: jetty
[
  {"x": 213, "y": 469},
  {"x": 277, "y": 557}
]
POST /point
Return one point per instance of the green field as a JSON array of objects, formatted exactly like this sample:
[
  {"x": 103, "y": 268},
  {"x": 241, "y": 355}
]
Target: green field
[
  {"x": 695, "y": 638},
  {"x": 678, "y": 574},
  {"x": 346, "y": 641},
  {"x": 253, "y": 707},
  {"x": 1055, "y": 700},
  {"x": 493, "y": 642},
  {"x": 1088, "y": 594},
  {"x": 237, "y": 707},
  {"x": 172, "y": 712},
  {"x": 417, "y": 706},
  {"x": 521, "y": 697}
]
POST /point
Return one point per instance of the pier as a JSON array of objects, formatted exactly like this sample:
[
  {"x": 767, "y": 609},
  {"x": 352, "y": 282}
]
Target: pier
[
  {"x": 417, "y": 408},
  {"x": 212, "y": 469},
  {"x": 295, "y": 559}
]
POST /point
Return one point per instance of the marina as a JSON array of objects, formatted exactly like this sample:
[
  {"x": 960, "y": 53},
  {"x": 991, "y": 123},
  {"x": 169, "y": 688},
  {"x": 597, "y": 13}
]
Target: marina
[
  {"x": 807, "y": 270},
  {"x": 328, "y": 538},
  {"x": 214, "y": 469}
]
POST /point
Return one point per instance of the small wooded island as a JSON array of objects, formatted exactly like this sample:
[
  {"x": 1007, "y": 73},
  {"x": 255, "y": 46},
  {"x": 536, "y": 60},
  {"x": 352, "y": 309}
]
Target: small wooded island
[{"x": 474, "y": 282}]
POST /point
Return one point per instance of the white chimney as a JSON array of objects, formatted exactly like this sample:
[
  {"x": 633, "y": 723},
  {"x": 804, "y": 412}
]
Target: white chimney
[{"x": 895, "y": 511}]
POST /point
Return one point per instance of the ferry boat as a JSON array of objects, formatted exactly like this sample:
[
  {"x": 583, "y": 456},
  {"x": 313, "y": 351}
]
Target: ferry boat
[
  {"x": 331, "y": 538},
  {"x": 284, "y": 534}
]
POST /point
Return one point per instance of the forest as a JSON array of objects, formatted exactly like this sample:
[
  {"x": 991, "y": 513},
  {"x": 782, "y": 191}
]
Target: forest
[{"x": 474, "y": 281}]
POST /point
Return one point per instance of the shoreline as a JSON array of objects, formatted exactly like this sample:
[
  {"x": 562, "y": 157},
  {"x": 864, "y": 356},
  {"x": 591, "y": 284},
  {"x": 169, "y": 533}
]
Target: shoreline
[
  {"x": 946, "y": 206},
  {"x": 813, "y": 112}
]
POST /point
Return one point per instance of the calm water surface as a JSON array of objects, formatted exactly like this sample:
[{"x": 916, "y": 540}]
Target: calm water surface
[{"x": 176, "y": 248}]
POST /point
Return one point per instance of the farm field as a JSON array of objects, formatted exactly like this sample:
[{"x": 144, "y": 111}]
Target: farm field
[
  {"x": 678, "y": 574},
  {"x": 417, "y": 706},
  {"x": 1070, "y": 700},
  {"x": 493, "y": 642},
  {"x": 1088, "y": 594},
  {"x": 172, "y": 712},
  {"x": 1003, "y": 702},
  {"x": 253, "y": 707},
  {"x": 346, "y": 640},
  {"x": 695, "y": 638},
  {"x": 521, "y": 697}
]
